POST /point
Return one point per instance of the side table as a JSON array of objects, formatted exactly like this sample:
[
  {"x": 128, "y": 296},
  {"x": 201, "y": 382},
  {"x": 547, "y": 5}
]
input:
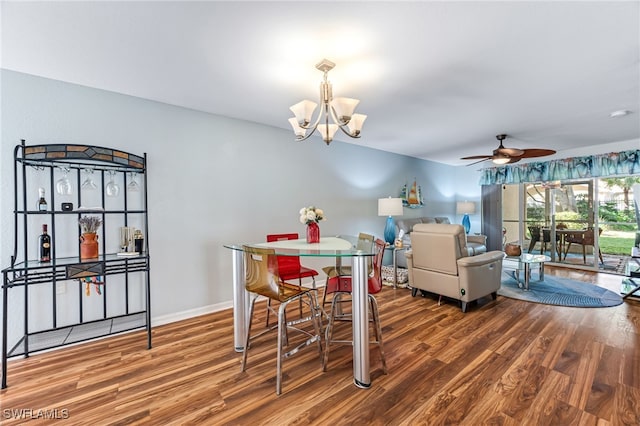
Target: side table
[
  {"x": 391, "y": 260},
  {"x": 527, "y": 260},
  {"x": 397, "y": 250}
]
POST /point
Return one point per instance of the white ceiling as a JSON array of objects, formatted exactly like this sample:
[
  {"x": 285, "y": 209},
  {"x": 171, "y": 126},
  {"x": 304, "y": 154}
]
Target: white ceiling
[{"x": 438, "y": 80}]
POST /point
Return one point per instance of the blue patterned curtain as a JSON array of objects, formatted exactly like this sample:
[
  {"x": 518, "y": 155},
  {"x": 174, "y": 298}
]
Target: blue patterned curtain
[{"x": 602, "y": 165}]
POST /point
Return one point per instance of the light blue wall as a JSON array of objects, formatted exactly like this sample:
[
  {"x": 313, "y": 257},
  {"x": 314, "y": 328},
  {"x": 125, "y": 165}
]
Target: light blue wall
[{"x": 214, "y": 180}]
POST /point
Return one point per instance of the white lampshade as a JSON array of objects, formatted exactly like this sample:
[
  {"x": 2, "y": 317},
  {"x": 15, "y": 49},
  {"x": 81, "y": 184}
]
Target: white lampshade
[
  {"x": 390, "y": 206},
  {"x": 355, "y": 125},
  {"x": 465, "y": 207},
  {"x": 299, "y": 131},
  {"x": 303, "y": 111},
  {"x": 327, "y": 131},
  {"x": 343, "y": 108}
]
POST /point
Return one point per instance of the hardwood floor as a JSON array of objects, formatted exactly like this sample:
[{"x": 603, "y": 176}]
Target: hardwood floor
[{"x": 503, "y": 362}]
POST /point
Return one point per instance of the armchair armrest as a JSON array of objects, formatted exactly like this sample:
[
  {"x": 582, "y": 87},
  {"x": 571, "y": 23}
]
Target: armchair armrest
[
  {"x": 481, "y": 259},
  {"x": 480, "y": 275},
  {"x": 480, "y": 239}
]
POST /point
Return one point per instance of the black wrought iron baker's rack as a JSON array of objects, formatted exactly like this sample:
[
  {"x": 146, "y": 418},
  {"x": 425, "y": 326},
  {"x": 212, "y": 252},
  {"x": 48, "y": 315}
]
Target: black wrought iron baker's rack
[{"x": 26, "y": 271}]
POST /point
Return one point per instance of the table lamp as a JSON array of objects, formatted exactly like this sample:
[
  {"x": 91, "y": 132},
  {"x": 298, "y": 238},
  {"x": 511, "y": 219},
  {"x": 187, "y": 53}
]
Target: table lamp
[
  {"x": 466, "y": 208},
  {"x": 390, "y": 207}
]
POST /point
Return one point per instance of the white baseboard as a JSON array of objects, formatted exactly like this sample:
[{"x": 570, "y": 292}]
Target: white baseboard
[
  {"x": 203, "y": 310},
  {"x": 179, "y": 316}
]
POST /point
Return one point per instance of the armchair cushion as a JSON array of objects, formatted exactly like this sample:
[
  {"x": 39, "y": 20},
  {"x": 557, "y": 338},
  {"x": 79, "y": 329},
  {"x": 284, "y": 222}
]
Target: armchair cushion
[
  {"x": 476, "y": 244},
  {"x": 407, "y": 225}
]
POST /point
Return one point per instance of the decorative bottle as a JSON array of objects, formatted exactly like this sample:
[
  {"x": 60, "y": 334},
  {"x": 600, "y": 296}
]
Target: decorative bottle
[
  {"x": 313, "y": 233},
  {"x": 42, "y": 203},
  {"x": 44, "y": 242},
  {"x": 138, "y": 240}
]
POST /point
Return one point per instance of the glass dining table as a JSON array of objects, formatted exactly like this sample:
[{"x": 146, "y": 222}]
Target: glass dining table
[{"x": 329, "y": 247}]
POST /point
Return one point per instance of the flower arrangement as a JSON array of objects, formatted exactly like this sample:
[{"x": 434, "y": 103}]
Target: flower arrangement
[
  {"x": 311, "y": 214},
  {"x": 89, "y": 224}
]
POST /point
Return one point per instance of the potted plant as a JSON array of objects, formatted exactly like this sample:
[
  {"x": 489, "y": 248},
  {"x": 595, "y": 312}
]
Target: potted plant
[{"x": 89, "y": 225}]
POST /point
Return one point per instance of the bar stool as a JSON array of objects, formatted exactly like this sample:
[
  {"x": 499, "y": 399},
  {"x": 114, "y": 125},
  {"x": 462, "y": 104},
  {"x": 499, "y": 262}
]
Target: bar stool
[
  {"x": 340, "y": 286},
  {"x": 290, "y": 267},
  {"x": 263, "y": 279}
]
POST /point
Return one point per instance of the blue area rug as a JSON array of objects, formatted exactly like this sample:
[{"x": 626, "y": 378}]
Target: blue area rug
[{"x": 560, "y": 291}]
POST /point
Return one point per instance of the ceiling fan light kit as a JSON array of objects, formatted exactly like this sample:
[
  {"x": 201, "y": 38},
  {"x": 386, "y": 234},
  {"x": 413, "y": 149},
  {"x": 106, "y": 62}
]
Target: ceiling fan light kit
[
  {"x": 335, "y": 113},
  {"x": 500, "y": 159},
  {"x": 502, "y": 155}
]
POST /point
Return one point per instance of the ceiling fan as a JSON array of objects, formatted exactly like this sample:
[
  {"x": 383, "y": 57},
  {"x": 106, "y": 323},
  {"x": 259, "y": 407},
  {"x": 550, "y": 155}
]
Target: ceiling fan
[{"x": 502, "y": 155}]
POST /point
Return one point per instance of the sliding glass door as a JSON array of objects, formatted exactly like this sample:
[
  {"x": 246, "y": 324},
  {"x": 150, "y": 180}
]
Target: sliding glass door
[
  {"x": 556, "y": 219},
  {"x": 574, "y": 222},
  {"x": 584, "y": 223}
]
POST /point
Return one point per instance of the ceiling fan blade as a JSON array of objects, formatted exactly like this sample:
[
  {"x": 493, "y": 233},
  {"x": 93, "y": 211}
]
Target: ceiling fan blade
[
  {"x": 510, "y": 155},
  {"x": 535, "y": 152},
  {"x": 509, "y": 152},
  {"x": 480, "y": 161},
  {"x": 477, "y": 157}
]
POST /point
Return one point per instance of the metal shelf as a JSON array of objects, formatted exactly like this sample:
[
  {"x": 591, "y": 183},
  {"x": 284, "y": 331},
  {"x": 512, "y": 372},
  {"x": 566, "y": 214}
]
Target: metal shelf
[{"x": 61, "y": 336}]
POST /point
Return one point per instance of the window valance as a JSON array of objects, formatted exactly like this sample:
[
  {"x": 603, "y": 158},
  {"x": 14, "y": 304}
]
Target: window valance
[{"x": 611, "y": 164}]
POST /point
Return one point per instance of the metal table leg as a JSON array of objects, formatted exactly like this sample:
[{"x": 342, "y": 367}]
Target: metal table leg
[
  {"x": 395, "y": 267},
  {"x": 240, "y": 301},
  {"x": 360, "y": 309},
  {"x": 527, "y": 276}
]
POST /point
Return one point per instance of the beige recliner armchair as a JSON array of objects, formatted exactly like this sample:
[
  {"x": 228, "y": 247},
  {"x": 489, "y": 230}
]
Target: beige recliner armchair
[{"x": 439, "y": 263}]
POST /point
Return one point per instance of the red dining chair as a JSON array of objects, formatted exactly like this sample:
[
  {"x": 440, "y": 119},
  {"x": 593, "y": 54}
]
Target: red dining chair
[
  {"x": 365, "y": 243},
  {"x": 290, "y": 268},
  {"x": 341, "y": 285}
]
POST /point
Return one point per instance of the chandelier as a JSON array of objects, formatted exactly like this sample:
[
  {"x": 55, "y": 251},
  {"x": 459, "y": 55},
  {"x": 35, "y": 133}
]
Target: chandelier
[{"x": 340, "y": 110}]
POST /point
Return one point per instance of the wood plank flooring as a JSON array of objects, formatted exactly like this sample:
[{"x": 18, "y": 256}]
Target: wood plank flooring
[{"x": 504, "y": 362}]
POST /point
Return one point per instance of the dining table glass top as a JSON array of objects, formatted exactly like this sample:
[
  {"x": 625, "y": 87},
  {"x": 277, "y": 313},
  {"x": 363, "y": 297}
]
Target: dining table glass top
[{"x": 342, "y": 246}]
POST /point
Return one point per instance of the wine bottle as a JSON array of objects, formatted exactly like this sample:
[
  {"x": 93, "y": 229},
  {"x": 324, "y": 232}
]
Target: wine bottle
[
  {"x": 44, "y": 242},
  {"x": 138, "y": 240},
  {"x": 42, "y": 203}
]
